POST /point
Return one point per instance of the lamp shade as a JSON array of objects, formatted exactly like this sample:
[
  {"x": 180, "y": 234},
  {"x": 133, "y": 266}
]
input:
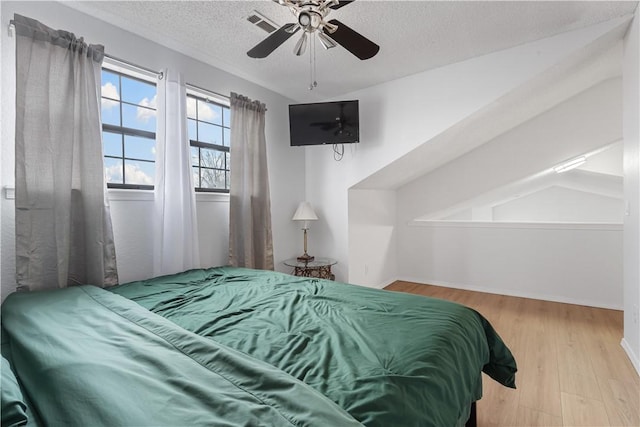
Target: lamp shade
[{"x": 305, "y": 212}]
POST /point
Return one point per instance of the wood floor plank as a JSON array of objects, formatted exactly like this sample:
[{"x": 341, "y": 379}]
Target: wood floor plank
[
  {"x": 499, "y": 404},
  {"x": 581, "y": 411},
  {"x": 622, "y": 401},
  {"x": 582, "y": 385},
  {"x": 572, "y": 370},
  {"x": 539, "y": 376},
  {"x": 531, "y": 417}
]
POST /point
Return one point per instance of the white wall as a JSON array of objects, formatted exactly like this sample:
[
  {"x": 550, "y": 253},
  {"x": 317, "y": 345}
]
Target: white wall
[
  {"x": 579, "y": 264},
  {"x": 631, "y": 130},
  {"x": 130, "y": 211},
  {"x": 563, "y": 262},
  {"x": 372, "y": 237},
  {"x": 401, "y": 115},
  {"x": 558, "y": 204}
]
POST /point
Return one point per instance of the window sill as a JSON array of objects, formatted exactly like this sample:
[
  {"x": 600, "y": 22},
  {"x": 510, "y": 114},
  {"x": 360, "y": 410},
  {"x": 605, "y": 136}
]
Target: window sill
[
  {"x": 117, "y": 194},
  {"x": 208, "y": 197}
]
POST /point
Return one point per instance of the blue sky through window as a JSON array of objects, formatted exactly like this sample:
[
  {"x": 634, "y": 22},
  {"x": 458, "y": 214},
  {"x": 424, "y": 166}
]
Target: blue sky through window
[{"x": 128, "y": 103}]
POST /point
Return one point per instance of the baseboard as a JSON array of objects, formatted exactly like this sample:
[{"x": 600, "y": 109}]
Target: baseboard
[
  {"x": 513, "y": 293},
  {"x": 635, "y": 361},
  {"x": 375, "y": 286}
]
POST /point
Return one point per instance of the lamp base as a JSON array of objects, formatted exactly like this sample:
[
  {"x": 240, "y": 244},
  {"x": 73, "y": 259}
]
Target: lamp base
[{"x": 305, "y": 258}]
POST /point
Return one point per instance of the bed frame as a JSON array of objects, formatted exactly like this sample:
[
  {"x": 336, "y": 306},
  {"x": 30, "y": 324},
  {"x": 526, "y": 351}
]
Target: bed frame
[{"x": 473, "y": 420}]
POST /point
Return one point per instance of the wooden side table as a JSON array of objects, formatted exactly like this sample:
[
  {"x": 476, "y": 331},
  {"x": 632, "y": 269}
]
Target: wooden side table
[{"x": 319, "y": 268}]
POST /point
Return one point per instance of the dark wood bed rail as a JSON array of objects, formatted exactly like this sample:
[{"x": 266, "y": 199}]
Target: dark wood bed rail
[{"x": 472, "y": 421}]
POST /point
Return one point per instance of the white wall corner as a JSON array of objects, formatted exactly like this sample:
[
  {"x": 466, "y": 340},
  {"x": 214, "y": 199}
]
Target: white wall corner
[{"x": 631, "y": 239}]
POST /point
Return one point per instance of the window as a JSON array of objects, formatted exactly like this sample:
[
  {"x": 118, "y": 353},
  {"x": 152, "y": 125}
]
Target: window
[
  {"x": 128, "y": 127},
  {"x": 209, "y": 122}
]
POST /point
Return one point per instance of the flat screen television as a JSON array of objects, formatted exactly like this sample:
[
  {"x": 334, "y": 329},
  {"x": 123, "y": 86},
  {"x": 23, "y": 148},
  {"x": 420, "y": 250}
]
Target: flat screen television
[{"x": 324, "y": 123}]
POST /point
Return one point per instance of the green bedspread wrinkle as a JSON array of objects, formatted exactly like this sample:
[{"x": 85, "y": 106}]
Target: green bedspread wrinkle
[
  {"x": 387, "y": 358},
  {"x": 88, "y": 357}
]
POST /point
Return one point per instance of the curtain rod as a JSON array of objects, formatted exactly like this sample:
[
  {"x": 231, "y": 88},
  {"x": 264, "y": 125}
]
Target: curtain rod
[
  {"x": 160, "y": 75},
  {"x": 207, "y": 91},
  {"x": 129, "y": 64},
  {"x": 148, "y": 70}
]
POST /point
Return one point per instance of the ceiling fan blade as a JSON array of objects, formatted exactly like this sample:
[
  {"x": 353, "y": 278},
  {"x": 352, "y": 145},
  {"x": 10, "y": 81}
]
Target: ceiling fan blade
[
  {"x": 342, "y": 3},
  {"x": 353, "y": 41},
  {"x": 271, "y": 43}
]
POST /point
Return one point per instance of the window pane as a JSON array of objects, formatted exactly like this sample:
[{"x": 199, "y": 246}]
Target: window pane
[
  {"x": 211, "y": 158},
  {"x": 196, "y": 177},
  {"x": 228, "y": 158},
  {"x": 113, "y": 170},
  {"x": 228, "y": 175},
  {"x": 212, "y": 178},
  {"x": 209, "y": 133},
  {"x": 110, "y": 85},
  {"x": 139, "y": 148},
  {"x": 128, "y": 103},
  {"x": 227, "y": 137},
  {"x": 112, "y": 144},
  {"x": 110, "y": 92},
  {"x": 110, "y": 112},
  {"x": 139, "y": 173},
  {"x": 138, "y": 118},
  {"x": 195, "y": 156},
  {"x": 209, "y": 112},
  {"x": 226, "y": 114},
  {"x": 137, "y": 92},
  {"x": 191, "y": 108},
  {"x": 206, "y": 122},
  {"x": 192, "y": 125}
]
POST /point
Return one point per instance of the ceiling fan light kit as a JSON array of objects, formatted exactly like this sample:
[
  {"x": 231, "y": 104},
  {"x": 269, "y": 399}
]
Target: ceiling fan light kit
[{"x": 310, "y": 18}]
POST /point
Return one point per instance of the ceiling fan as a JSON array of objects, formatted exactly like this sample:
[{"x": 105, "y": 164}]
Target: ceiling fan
[{"x": 310, "y": 16}]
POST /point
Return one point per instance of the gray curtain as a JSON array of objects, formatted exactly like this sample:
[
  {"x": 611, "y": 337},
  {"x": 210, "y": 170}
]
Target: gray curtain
[
  {"x": 63, "y": 224},
  {"x": 250, "y": 242}
]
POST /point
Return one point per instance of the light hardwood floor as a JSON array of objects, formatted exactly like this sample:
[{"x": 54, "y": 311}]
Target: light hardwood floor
[{"x": 572, "y": 370}]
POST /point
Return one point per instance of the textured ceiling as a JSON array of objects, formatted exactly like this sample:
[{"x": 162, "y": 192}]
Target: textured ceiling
[{"x": 414, "y": 36}]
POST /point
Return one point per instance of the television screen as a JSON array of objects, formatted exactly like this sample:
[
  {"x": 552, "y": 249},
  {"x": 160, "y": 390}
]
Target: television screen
[{"x": 324, "y": 123}]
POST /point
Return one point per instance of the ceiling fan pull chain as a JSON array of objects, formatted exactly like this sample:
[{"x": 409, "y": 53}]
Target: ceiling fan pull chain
[
  {"x": 311, "y": 65},
  {"x": 315, "y": 74}
]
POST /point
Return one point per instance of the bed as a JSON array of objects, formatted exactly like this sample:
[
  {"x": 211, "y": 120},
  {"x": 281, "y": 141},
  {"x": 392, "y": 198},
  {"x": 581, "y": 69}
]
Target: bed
[{"x": 233, "y": 346}]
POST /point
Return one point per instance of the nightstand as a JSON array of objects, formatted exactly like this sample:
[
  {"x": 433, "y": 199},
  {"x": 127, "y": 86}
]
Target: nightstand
[{"x": 319, "y": 268}]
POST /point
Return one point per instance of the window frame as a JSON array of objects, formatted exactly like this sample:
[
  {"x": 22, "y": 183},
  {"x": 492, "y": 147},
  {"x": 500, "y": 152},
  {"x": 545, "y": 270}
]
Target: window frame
[
  {"x": 133, "y": 73},
  {"x": 212, "y": 98}
]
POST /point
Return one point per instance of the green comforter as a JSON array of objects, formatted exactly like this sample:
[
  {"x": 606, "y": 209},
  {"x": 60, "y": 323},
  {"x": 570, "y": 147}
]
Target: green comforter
[
  {"x": 387, "y": 358},
  {"x": 88, "y": 357}
]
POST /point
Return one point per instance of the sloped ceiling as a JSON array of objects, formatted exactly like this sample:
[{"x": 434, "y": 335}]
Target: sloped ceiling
[
  {"x": 414, "y": 36},
  {"x": 585, "y": 76},
  {"x": 597, "y": 62},
  {"x": 600, "y": 178}
]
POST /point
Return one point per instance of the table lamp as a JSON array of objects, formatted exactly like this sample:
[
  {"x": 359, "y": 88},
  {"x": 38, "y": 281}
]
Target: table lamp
[{"x": 305, "y": 213}]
